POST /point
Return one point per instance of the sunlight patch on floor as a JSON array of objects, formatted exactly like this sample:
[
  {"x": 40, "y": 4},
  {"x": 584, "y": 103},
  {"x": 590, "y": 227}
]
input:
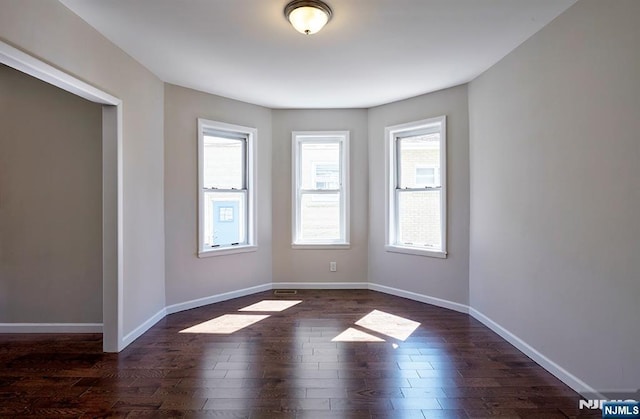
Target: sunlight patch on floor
[
  {"x": 271, "y": 305},
  {"x": 355, "y": 335},
  {"x": 226, "y": 324},
  {"x": 388, "y": 324}
]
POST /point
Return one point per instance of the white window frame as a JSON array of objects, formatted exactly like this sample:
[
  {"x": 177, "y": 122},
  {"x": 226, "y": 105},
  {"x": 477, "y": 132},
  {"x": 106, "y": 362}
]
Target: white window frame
[
  {"x": 250, "y": 166},
  {"x": 392, "y": 133},
  {"x": 315, "y": 137}
]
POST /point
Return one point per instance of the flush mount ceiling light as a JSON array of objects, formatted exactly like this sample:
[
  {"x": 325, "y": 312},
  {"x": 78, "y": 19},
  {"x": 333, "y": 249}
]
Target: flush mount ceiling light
[{"x": 307, "y": 16}]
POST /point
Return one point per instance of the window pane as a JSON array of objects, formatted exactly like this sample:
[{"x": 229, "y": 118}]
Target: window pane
[
  {"x": 224, "y": 218},
  {"x": 320, "y": 166},
  {"x": 320, "y": 217},
  {"x": 425, "y": 176},
  {"x": 419, "y": 161},
  {"x": 419, "y": 218},
  {"x": 223, "y": 163}
]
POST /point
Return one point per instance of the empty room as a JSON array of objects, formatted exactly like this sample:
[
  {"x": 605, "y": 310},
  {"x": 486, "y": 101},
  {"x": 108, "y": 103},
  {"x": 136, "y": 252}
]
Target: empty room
[{"x": 320, "y": 209}]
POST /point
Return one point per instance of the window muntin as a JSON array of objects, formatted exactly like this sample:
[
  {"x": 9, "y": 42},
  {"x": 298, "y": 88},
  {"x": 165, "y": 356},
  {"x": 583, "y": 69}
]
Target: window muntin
[
  {"x": 226, "y": 192},
  {"x": 416, "y": 204},
  {"x": 320, "y": 188}
]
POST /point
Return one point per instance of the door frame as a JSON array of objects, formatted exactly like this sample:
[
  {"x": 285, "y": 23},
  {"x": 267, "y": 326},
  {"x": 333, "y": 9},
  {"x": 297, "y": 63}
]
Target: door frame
[{"x": 112, "y": 183}]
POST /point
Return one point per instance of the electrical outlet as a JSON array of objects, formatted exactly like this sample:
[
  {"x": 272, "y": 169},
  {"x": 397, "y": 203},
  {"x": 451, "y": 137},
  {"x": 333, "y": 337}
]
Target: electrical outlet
[{"x": 333, "y": 266}]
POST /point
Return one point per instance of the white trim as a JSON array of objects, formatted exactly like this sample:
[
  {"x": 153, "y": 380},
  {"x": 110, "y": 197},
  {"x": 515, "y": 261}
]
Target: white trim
[
  {"x": 144, "y": 327},
  {"x": 188, "y": 305},
  {"x": 553, "y": 368},
  {"x": 113, "y": 228},
  {"x": 559, "y": 372},
  {"x": 32, "y": 66},
  {"x": 50, "y": 327},
  {"x": 321, "y": 285},
  {"x": 342, "y": 138},
  {"x": 227, "y": 251},
  {"x": 439, "y": 302},
  {"x": 112, "y": 178},
  {"x": 415, "y": 251},
  {"x": 563, "y": 375}
]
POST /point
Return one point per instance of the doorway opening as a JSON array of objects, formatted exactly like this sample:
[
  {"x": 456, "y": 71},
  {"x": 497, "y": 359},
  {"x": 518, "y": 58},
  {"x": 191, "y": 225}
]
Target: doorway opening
[{"x": 112, "y": 183}]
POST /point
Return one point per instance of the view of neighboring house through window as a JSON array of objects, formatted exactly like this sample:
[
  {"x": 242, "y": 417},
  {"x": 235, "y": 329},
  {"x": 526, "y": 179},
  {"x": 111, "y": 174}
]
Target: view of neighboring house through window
[
  {"x": 320, "y": 188},
  {"x": 226, "y": 187},
  {"x": 326, "y": 175},
  {"x": 416, "y": 207},
  {"x": 427, "y": 176}
]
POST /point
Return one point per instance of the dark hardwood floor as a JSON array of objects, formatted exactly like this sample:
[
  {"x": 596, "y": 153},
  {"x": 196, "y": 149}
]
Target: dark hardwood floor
[{"x": 287, "y": 365}]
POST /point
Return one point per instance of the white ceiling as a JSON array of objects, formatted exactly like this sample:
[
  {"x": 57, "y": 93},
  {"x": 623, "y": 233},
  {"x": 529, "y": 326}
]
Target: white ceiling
[{"x": 372, "y": 51}]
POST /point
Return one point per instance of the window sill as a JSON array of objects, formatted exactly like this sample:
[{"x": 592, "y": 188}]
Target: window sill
[
  {"x": 227, "y": 251},
  {"x": 416, "y": 251},
  {"x": 317, "y": 246}
]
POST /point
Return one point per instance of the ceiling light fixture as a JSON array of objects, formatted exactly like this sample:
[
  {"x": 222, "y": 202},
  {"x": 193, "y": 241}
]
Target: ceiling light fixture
[{"x": 308, "y": 16}]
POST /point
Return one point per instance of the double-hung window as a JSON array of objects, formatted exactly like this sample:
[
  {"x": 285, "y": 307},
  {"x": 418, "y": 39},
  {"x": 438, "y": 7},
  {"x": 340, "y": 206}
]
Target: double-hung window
[
  {"x": 320, "y": 189},
  {"x": 226, "y": 204},
  {"x": 416, "y": 188}
]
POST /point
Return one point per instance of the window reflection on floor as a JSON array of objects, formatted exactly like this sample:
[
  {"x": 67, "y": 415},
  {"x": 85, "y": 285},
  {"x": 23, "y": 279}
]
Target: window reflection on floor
[
  {"x": 226, "y": 324},
  {"x": 388, "y": 324},
  {"x": 231, "y": 323},
  {"x": 381, "y": 323},
  {"x": 355, "y": 335},
  {"x": 271, "y": 305}
]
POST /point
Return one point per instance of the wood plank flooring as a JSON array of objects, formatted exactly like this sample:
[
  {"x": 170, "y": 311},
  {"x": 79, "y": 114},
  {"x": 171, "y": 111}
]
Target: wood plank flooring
[{"x": 286, "y": 365}]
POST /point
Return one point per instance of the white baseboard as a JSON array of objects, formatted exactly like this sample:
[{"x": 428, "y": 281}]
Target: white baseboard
[
  {"x": 321, "y": 285},
  {"x": 50, "y": 327},
  {"x": 563, "y": 375},
  {"x": 439, "y": 302},
  {"x": 140, "y": 330},
  {"x": 188, "y": 305}
]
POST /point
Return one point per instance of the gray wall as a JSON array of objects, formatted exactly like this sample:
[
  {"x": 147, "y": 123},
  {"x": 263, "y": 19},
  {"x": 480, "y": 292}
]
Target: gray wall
[
  {"x": 307, "y": 265},
  {"x": 555, "y": 192},
  {"x": 441, "y": 278},
  {"x": 187, "y": 276},
  {"x": 50, "y": 203},
  {"x": 50, "y": 31}
]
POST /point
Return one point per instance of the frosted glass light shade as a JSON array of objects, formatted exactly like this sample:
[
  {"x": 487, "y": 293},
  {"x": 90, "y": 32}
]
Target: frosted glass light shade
[{"x": 308, "y": 17}]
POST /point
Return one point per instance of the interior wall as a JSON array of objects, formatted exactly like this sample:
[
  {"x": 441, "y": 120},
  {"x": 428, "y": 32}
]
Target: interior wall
[
  {"x": 312, "y": 265},
  {"x": 440, "y": 278},
  {"x": 555, "y": 192},
  {"x": 50, "y": 203},
  {"x": 50, "y": 31},
  {"x": 187, "y": 276}
]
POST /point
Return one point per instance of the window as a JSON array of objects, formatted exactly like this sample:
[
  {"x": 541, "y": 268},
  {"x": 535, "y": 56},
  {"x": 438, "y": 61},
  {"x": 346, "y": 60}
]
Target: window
[
  {"x": 416, "y": 193},
  {"x": 320, "y": 189},
  {"x": 226, "y": 170}
]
